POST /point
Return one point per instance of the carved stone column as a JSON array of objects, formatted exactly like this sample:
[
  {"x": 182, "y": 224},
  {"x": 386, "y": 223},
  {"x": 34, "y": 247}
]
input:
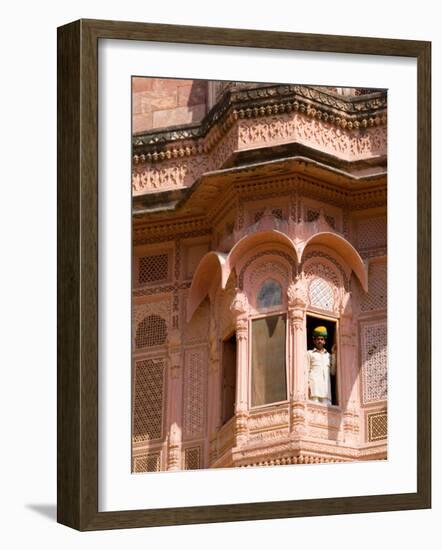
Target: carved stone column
[
  {"x": 349, "y": 372},
  {"x": 175, "y": 395},
  {"x": 298, "y": 379},
  {"x": 214, "y": 387},
  {"x": 240, "y": 310}
]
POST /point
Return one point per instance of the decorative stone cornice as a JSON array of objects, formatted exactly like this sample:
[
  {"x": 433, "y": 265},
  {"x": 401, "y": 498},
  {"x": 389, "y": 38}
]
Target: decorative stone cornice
[
  {"x": 350, "y": 113},
  {"x": 151, "y": 232},
  {"x": 286, "y": 137}
]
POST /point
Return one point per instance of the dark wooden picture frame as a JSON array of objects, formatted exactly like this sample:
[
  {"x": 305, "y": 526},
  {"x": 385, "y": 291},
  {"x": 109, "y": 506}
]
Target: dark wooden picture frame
[{"x": 77, "y": 409}]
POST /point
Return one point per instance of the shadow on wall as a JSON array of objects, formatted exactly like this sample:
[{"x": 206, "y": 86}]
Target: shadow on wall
[
  {"x": 197, "y": 102},
  {"x": 159, "y": 103}
]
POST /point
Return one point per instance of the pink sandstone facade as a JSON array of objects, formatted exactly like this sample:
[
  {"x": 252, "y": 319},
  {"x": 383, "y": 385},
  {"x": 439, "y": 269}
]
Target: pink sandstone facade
[{"x": 259, "y": 212}]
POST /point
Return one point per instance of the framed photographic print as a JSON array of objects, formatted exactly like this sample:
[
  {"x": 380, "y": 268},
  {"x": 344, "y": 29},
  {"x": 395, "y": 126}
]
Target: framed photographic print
[{"x": 243, "y": 224}]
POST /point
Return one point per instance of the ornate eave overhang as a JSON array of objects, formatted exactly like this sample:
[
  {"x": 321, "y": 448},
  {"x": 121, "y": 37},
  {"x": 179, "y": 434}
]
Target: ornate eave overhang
[
  {"x": 211, "y": 189},
  {"x": 352, "y": 113},
  {"x": 253, "y": 125}
]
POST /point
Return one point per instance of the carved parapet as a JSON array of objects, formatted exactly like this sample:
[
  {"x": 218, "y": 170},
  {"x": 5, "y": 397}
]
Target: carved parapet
[
  {"x": 323, "y": 423},
  {"x": 226, "y": 436},
  {"x": 269, "y": 418},
  {"x": 298, "y": 418},
  {"x": 350, "y": 424}
]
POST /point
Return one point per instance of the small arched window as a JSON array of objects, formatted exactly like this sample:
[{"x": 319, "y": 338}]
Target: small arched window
[{"x": 269, "y": 295}]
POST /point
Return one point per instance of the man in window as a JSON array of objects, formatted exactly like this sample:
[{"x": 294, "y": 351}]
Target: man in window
[{"x": 320, "y": 364}]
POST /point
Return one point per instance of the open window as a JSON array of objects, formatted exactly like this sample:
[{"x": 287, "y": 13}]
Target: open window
[{"x": 313, "y": 321}]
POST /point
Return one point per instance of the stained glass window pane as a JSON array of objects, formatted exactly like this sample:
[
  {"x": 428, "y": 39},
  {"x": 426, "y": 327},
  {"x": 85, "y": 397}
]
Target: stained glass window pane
[{"x": 270, "y": 294}]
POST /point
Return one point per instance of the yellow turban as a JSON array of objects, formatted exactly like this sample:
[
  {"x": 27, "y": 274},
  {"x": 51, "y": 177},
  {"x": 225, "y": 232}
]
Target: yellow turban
[{"x": 320, "y": 331}]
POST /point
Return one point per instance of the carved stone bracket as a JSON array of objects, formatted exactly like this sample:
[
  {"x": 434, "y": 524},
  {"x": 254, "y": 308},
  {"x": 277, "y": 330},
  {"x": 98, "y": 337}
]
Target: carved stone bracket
[
  {"x": 240, "y": 304},
  {"x": 240, "y": 309},
  {"x": 297, "y": 294}
]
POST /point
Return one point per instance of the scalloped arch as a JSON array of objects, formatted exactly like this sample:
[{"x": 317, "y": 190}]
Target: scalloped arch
[
  {"x": 215, "y": 268},
  {"x": 259, "y": 238},
  {"x": 345, "y": 249},
  {"x": 211, "y": 271}
]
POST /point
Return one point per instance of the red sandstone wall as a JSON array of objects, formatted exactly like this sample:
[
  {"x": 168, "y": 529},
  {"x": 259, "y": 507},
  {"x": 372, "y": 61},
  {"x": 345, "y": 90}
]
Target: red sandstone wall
[{"x": 160, "y": 102}]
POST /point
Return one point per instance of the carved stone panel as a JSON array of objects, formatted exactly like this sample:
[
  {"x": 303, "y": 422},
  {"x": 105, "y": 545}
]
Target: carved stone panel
[
  {"x": 149, "y": 399},
  {"x": 374, "y": 361},
  {"x": 195, "y": 392}
]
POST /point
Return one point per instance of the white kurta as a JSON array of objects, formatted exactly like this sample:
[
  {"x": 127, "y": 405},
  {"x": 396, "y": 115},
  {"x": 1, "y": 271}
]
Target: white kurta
[{"x": 320, "y": 365}]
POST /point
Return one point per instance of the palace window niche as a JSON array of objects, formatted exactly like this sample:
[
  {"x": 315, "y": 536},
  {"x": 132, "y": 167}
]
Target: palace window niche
[{"x": 268, "y": 342}]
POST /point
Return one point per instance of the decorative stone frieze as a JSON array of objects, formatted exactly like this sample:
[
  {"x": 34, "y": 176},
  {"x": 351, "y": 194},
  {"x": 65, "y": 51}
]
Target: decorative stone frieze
[
  {"x": 305, "y": 116},
  {"x": 268, "y": 419},
  {"x": 357, "y": 113},
  {"x": 151, "y": 176}
]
